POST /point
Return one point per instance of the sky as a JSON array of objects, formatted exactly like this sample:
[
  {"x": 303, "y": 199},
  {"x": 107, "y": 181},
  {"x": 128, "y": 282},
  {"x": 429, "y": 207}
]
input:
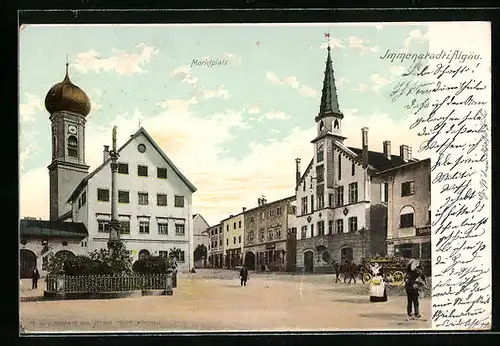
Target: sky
[{"x": 233, "y": 130}]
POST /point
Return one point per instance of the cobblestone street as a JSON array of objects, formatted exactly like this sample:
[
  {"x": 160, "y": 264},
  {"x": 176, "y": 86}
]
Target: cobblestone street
[{"x": 213, "y": 300}]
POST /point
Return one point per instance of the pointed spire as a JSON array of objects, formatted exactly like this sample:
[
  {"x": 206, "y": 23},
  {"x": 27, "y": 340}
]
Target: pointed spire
[
  {"x": 329, "y": 100},
  {"x": 66, "y": 78}
]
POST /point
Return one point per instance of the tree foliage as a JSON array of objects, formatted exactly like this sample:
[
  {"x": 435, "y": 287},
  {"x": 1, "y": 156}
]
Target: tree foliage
[
  {"x": 152, "y": 265},
  {"x": 98, "y": 262}
]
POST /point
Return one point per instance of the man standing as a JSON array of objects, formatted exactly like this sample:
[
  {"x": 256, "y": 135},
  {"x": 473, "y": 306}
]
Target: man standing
[
  {"x": 35, "y": 275},
  {"x": 243, "y": 276},
  {"x": 415, "y": 281},
  {"x": 336, "y": 267}
]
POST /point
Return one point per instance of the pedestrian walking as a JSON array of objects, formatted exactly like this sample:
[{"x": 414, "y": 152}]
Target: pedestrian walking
[
  {"x": 349, "y": 271},
  {"x": 35, "y": 275},
  {"x": 336, "y": 268},
  {"x": 243, "y": 276},
  {"x": 415, "y": 281}
]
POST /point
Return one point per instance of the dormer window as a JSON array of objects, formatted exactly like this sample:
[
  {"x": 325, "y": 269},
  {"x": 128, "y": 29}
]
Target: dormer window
[{"x": 72, "y": 146}]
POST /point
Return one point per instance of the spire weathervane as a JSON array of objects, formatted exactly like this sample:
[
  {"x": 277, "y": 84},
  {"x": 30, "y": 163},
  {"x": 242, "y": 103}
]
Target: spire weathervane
[{"x": 327, "y": 35}]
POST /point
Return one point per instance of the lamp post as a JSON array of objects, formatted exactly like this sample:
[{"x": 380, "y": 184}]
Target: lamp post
[{"x": 114, "y": 232}]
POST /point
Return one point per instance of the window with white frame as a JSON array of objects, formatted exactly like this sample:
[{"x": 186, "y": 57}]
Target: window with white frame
[
  {"x": 179, "y": 229},
  {"x": 339, "y": 226},
  {"x": 303, "y": 232},
  {"x": 144, "y": 226},
  {"x": 125, "y": 226},
  {"x": 304, "y": 206},
  {"x": 163, "y": 227},
  {"x": 353, "y": 193},
  {"x": 406, "y": 217},
  {"x": 143, "y": 198},
  {"x": 103, "y": 226},
  {"x": 353, "y": 224}
]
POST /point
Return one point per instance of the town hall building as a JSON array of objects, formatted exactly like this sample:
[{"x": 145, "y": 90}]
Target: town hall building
[
  {"x": 341, "y": 202},
  {"x": 154, "y": 197}
]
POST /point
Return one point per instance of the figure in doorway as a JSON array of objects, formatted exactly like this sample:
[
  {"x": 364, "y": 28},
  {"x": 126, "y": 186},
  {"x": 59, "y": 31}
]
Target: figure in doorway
[
  {"x": 35, "y": 275},
  {"x": 243, "y": 276}
]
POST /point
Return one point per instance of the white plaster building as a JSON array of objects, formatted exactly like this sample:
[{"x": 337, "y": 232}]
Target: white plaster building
[
  {"x": 341, "y": 214},
  {"x": 154, "y": 202},
  {"x": 200, "y": 241},
  {"x": 154, "y": 197}
]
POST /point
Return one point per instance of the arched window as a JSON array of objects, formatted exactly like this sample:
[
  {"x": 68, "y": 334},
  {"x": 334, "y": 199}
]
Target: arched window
[
  {"x": 72, "y": 146},
  {"x": 336, "y": 125},
  {"x": 406, "y": 218},
  {"x": 346, "y": 254},
  {"x": 144, "y": 254},
  {"x": 321, "y": 126}
]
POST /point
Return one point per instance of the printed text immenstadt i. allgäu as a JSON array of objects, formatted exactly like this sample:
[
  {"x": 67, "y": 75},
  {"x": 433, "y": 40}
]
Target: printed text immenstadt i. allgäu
[{"x": 447, "y": 104}]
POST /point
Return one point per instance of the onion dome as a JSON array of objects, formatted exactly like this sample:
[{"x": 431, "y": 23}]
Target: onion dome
[{"x": 65, "y": 96}]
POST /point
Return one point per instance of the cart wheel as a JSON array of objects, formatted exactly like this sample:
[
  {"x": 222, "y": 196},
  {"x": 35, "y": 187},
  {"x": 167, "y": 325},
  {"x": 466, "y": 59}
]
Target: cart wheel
[
  {"x": 366, "y": 277},
  {"x": 398, "y": 277}
]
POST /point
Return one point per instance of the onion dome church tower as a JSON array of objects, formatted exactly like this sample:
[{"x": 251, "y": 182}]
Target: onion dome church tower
[{"x": 68, "y": 106}]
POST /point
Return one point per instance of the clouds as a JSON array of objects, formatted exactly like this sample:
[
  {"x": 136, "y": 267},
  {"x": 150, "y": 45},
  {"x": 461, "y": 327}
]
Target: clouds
[
  {"x": 334, "y": 43},
  {"x": 30, "y": 151},
  {"x": 122, "y": 63},
  {"x": 361, "y": 45},
  {"x": 379, "y": 81},
  {"x": 185, "y": 74},
  {"x": 254, "y": 110},
  {"x": 279, "y": 115},
  {"x": 292, "y": 82},
  {"x": 354, "y": 43},
  {"x": 360, "y": 87},
  {"x": 220, "y": 92},
  {"x": 28, "y": 110},
  {"x": 417, "y": 36}
]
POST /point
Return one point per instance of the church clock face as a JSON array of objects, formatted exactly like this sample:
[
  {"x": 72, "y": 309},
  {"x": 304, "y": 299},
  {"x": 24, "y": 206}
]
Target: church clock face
[{"x": 72, "y": 129}]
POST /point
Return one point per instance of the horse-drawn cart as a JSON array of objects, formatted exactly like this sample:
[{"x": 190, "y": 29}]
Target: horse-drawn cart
[{"x": 393, "y": 269}]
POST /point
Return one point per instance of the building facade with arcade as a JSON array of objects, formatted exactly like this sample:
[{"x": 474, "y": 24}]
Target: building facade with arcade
[
  {"x": 341, "y": 203},
  {"x": 270, "y": 236}
]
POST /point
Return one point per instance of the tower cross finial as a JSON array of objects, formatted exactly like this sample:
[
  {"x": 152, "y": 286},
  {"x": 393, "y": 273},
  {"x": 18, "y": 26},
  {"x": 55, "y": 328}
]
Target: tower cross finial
[{"x": 67, "y": 65}]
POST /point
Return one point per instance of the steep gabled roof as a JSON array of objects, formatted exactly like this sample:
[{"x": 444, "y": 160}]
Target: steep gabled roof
[
  {"x": 84, "y": 181},
  {"x": 201, "y": 216},
  {"x": 379, "y": 161},
  {"x": 43, "y": 228},
  {"x": 403, "y": 166},
  {"x": 305, "y": 173}
]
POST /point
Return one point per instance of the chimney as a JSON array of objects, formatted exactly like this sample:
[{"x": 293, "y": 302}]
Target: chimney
[
  {"x": 244, "y": 209},
  {"x": 297, "y": 171},
  {"x": 259, "y": 201},
  {"x": 405, "y": 152},
  {"x": 264, "y": 201},
  {"x": 387, "y": 149},
  {"x": 364, "y": 137},
  {"x": 105, "y": 153}
]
